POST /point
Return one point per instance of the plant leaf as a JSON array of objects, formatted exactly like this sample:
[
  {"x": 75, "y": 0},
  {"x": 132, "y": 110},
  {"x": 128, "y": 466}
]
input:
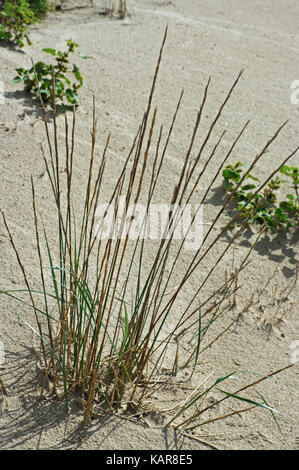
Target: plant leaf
[{"x": 48, "y": 50}]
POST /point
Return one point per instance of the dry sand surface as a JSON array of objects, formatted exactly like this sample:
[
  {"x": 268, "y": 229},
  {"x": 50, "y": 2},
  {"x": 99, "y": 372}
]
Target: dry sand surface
[{"x": 205, "y": 37}]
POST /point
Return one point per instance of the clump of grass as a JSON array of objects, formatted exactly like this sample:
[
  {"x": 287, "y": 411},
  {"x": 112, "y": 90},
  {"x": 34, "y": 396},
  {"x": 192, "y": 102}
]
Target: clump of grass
[
  {"x": 116, "y": 8},
  {"x": 108, "y": 322}
]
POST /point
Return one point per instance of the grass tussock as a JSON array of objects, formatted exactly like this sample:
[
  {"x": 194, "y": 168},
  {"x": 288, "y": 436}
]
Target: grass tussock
[
  {"x": 115, "y": 9},
  {"x": 111, "y": 319}
]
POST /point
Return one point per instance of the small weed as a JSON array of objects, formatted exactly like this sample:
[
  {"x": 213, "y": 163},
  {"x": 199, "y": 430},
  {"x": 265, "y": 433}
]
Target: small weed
[
  {"x": 263, "y": 207},
  {"x": 40, "y": 77}
]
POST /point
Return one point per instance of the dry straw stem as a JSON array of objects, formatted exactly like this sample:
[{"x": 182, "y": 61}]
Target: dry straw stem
[
  {"x": 273, "y": 298},
  {"x": 115, "y": 318},
  {"x": 187, "y": 422}
]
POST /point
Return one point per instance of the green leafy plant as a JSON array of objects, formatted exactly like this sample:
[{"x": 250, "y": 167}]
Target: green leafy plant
[
  {"x": 42, "y": 78},
  {"x": 15, "y": 18},
  {"x": 39, "y": 7},
  {"x": 263, "y": 206}
]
